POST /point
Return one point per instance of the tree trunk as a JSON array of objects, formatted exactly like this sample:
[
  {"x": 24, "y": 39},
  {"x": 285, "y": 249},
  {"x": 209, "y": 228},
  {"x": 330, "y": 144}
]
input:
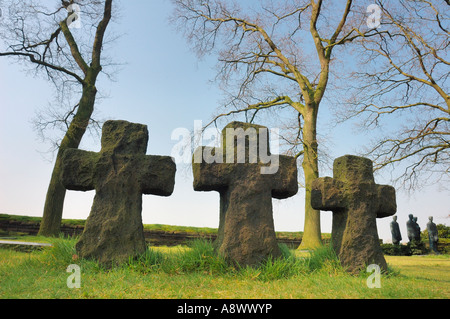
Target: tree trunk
[
  {"x": 56, "y": 192},
  {"x": 311, "y": 236},
  {"x": 54, "y": 202}
]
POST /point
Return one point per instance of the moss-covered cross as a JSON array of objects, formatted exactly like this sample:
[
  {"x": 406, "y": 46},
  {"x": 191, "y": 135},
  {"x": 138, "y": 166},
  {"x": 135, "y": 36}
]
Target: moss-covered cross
[
  {"x": 120, "y": 173},
  {"x": 240, "y": 171},
  {"x": 356, "y": 202}
]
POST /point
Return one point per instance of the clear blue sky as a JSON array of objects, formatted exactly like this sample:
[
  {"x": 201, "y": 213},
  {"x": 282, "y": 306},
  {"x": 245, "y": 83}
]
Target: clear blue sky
[{"x": 164, "y": 86}]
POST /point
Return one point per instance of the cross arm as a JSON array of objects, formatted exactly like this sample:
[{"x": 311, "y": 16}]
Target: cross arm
[
  {"x": 208, "y": 176},
  {"x": 285, "y": 180},
  {"x": 327, "y": 194},
  {"x": 78, "y": 169},
  {"x": 157, "y": 175},
  {"x": 387, "y": 201}
]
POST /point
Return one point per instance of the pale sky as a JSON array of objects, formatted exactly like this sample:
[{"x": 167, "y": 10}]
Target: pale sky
[{"x": 164, "y": 86}]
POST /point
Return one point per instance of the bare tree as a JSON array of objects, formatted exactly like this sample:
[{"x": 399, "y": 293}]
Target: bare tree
[
  {"x": 405, "y": 78},
  {"x": 280, "y": 55},
  {"x": 43, "y": 36}
]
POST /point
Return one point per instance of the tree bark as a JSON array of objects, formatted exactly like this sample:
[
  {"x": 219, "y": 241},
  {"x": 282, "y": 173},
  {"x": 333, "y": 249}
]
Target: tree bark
[
  {"x": 311, "y": 237},
  {"x": 54, "y": 202}
]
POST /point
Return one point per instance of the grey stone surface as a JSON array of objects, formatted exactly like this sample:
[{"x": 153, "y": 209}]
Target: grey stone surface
[
  {"x": 246, "y": 234},
  {"x": 356, "y": 202},
  {"x": 120, "y": 173}
]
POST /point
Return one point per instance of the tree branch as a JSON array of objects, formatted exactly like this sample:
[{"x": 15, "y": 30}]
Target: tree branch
[
  {"x": 43, "y": 63},
  {"x": 73, "y": 47},
  {"x": 278, "y": 101},
  {"x": 101, "y": 28}
]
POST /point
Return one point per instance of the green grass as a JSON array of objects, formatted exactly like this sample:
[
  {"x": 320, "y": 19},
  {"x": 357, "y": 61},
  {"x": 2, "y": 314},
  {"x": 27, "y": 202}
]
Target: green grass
[{"x": 196, "y": 272}]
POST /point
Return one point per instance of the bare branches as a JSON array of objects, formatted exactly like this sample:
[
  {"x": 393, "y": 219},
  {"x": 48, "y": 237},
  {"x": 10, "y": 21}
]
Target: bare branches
[
  {"x": 406, "y": 74},
  {"x": 278, "y": 101},
  {"x": 33, "y": 59},
  {"x": 24, "y": 36},
  {"x": 420, "y": 152},
  {"x": 100, "y": 34},
  {"x": 265, "y": 44},
  {"x": 39, "y": 34}
]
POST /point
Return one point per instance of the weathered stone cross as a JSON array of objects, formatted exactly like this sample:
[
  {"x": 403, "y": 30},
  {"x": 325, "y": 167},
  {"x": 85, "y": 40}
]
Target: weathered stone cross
[
  {"x": 356, "y": 202},
  {"x": 246, "y": 232},
  {"x": 120, "y": 174}
]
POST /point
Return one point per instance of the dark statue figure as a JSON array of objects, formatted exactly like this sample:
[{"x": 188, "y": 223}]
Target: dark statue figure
[
  {"x": 417, "y": 233},
  {"x": 413, "y": 229},
  {"x": 410, "y": 228},
  {"x": 395, "y": 231},
  {"x": 432, "y": 234}
]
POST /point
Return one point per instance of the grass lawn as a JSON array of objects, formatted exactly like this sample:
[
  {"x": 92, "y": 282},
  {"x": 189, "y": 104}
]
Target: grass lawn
[{"x": 195, "y": 272}]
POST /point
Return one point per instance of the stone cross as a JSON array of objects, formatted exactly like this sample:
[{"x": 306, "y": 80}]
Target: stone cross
[
  {"x": 356, "y": 202},
  {"x": 120, "y": 173},
  {"x": 236, "y": 170}
]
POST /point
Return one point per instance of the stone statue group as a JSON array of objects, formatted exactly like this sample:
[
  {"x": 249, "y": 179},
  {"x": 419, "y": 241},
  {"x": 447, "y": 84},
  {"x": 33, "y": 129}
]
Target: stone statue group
[{"x": 413, "y": 232}]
